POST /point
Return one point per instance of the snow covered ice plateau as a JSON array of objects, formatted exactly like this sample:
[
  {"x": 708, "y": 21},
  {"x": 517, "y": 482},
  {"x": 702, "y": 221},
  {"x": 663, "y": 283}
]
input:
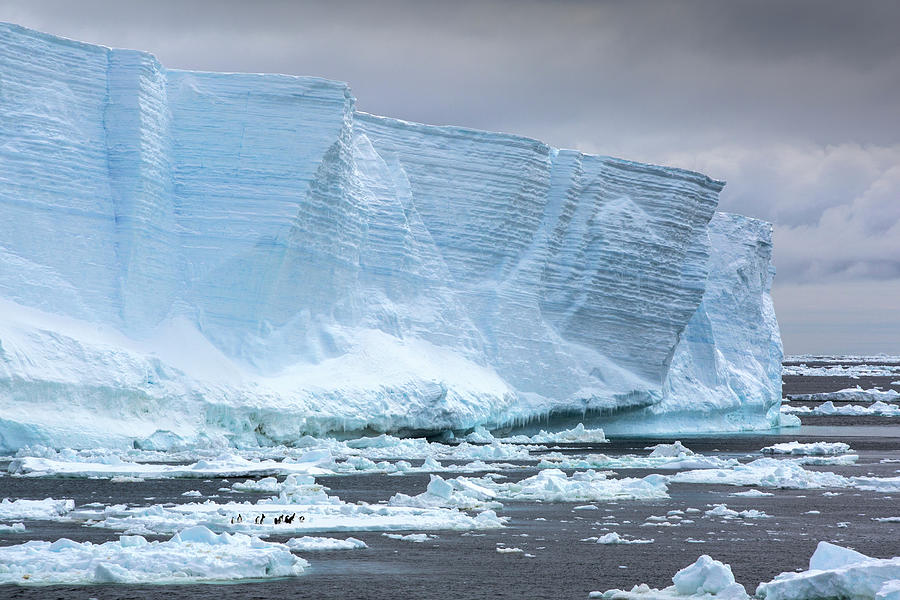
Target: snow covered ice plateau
[
  {"x": 245, "y": 258},
  {"x": 249, "y": 334}
]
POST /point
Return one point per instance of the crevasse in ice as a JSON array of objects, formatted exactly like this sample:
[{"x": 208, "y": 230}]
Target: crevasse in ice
[{"x": 188, "y": 256}]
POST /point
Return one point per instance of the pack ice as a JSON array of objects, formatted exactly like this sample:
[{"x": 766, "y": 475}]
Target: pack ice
[{"x": 246, "y": 258}]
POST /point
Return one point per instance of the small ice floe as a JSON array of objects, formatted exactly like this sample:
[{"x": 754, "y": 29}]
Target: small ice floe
[
  {"x": 754, "y": 493},
  {"x": 35, "y": 509},
  {"x": 315, "y": 462},
  {"x": 854, "y": 394},
  {"x": 578, "y": 434},
  {"x": 812, "y": 449},
  {"x": 192, "y": 494},
  {"x": 887, "y": 519},
  {"x": 877, "y": 484},
  {"x": 614, "y": 538},
  {"x": 553, "y": 485},
  {"x": 721, "y": 510},
  {"x": 315, "y": 544},
  {"x": 878, "y": 408},
  {"x": 836, "y": 572},
  {"x": 191, "y": 556},
  {"x": 416, "y": 538},
  {"x": 126, "y": 479},
  {"x": 460, "y": 492},
  {"x": 706, "y": 578},
  {"x": 14, "y": 528},
  {"x": 510, "y": 551},
  {"x": 764, "y": 472},
  {"x": 586, "y": 507}
]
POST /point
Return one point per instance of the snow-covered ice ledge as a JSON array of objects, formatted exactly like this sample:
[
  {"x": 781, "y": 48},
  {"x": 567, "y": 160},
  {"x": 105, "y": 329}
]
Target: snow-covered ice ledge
[{"x": 248, "y": 257}]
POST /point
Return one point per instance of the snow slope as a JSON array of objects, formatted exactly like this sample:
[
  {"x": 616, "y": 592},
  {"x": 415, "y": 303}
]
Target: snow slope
[{"x": 205, "y": 258}]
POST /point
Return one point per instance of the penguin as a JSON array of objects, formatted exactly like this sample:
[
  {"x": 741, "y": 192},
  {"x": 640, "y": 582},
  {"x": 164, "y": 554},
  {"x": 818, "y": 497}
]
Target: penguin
[
  {"x": 232, "y": 520},
  {"x": 262, "y": 518},
  {"x": 302, "y": 518},
  {"x": 240, "y": 519}
]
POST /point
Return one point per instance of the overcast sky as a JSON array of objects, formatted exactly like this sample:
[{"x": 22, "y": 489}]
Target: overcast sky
[{"x": 796, "y": 104}]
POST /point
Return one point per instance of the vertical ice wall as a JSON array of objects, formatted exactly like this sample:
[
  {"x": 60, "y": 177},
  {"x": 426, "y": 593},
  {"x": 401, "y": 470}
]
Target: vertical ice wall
[{"x": 333, "y": 269}]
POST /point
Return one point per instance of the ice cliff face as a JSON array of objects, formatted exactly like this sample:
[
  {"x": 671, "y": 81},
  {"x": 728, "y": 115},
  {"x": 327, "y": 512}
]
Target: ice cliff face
[{"x": 245, "y": 257}]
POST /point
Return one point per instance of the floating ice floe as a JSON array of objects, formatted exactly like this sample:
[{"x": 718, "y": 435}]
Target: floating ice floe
[
  {"x": 836, "y": 572},
  {"x": 877, "y": 484},
  {"x": 754, "y": 493},
  {"x": 321, "y": 544},
  {"x": 578, "y": 434},
  {"x": 614, "y": 538},
  {"x": 707, "y": 578},
  {"x": 34, "y": 509},
  {"x": 879, "y": 408},
  {"x": 230, "y": 465},
  {"x": 764, "y": 472},
  {"x": 14, "y": 528},
  {"x": 856, "y": 394},
  {"x": 190, "y": 556},
  {"x": 312, "y": 509},
  {"x": 815, "y": 448},
  {"x": 870, "y": 367},
  {"x": 721, "y": 510},
  {"x": 553, "y": 485},
  {"x": 662, "y": 456},
  {"x": 416, "y": 538},
  {"x": 460, "y": 492}
]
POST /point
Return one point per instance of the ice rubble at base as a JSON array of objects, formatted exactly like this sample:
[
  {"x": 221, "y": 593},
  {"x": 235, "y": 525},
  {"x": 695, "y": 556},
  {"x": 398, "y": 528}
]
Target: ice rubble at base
[
  {"x": 13, "y": 528},
  {"x": 834, "y": 572},
  {"x": 879, "y": 408},
  {"x": 814, "y": 448},
  {"x": 263, "y": 261},
  {"x": 193, "y": 555},
  {"x": 856, "y": 394}
]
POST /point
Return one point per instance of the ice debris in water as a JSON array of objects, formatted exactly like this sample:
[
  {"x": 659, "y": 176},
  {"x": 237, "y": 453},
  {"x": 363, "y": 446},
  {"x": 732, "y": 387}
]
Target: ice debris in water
[
  {"x": 14, "y": 528},
  {"x": 416, "y": 538},
  {"x": 192, "y": 555},
  {"x": 298, "y": 495},
  {"x": 614, "y": 538},
  {"x": 459, "y": 492},
  {"x": 848, "y": 410},
  {"x": 315, "y": 544},
  {"x": 764, "y": 472},
  {"x": 815, "y": 448},
  {"x": 721, "y": 510},
  {"x": 834, "y": 572},
  {"x": 706, "y": 578},
  {"x": 553, "y": 485},
  {"x": 34, "y": 509},
  {"x": 856, "y": 394}
]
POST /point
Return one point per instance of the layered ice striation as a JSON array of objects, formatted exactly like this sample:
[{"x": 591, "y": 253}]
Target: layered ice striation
[{"x": 246, "y": 258}]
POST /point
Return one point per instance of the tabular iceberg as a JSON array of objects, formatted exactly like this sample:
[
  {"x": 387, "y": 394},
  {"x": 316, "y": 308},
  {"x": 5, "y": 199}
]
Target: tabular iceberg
[{"x": 192, "y": 257}]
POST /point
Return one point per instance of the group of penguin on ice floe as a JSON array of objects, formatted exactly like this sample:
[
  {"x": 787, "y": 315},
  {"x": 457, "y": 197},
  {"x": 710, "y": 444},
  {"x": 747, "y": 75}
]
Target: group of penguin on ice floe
[{"x": 260, "y": 519}]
